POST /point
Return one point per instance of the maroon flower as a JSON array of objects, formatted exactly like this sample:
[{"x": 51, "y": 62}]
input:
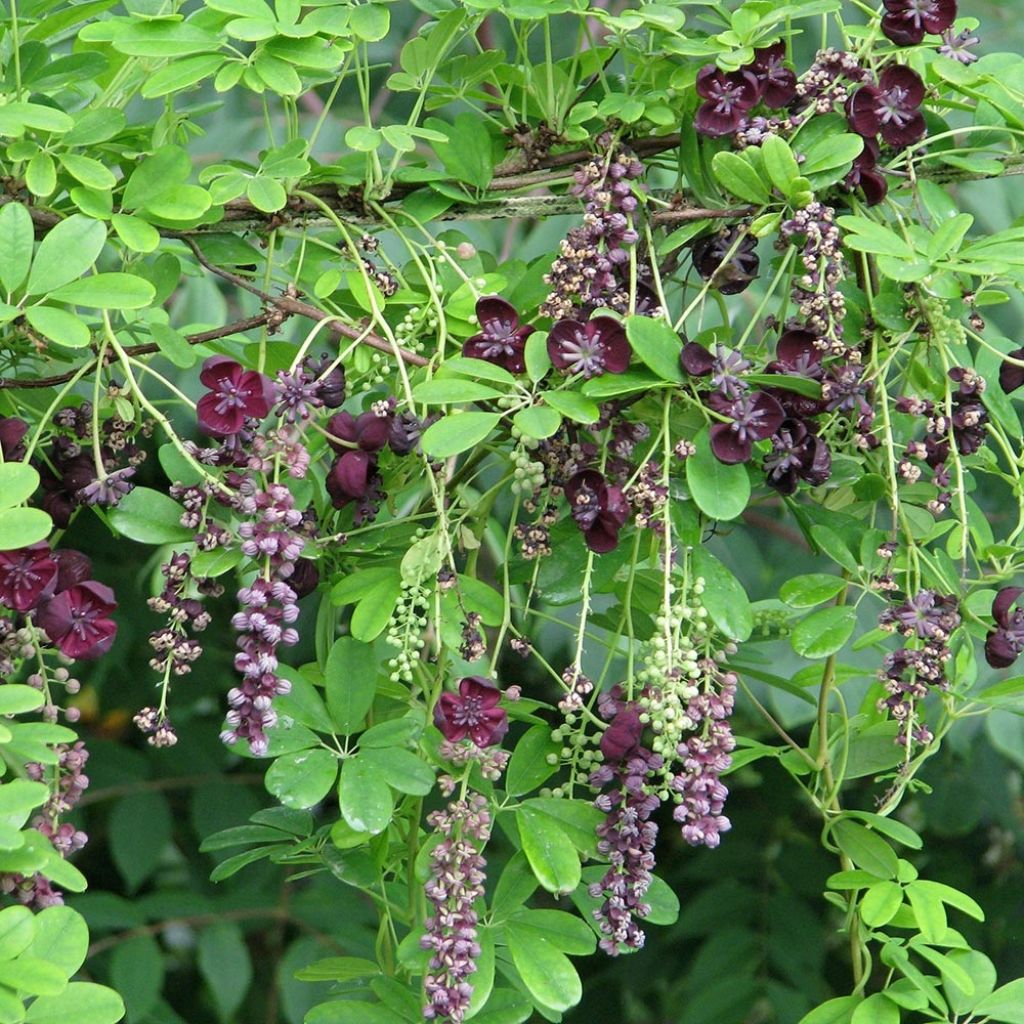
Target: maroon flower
[
  {"x": 865, "y": 175},
  {"x": 599, "y": 508},
  {"x": 473, "y": 712},
  {"x": 367, "y": 431},
  {"x": 1005, "y": 643},
  {"x": 906, "y": 21},
  {"x": 596, "y": 347},
  {"x": 27, "y": 576},
  {"x": 889, "y": 108},
  {"x": 12, "y": 433},
  {"x": 305, "y": 577},
  {"x": 727, "y": 99},
  {"x": 777, "y": 82},
  {"x": 754, "y": 417},
  {"x": 351, "y": 477},
  {"x": 696, "y": 360},
  {"x": 728, "y": 262},
  {"x": 235, "y": 395},
  {"x": 72, "y": 567},
  {"x": 621, "y": 740},
  {"x": 1011, "y": 377},
  {"x": 797, "y": 454},
  {"x": 502, "y": 339},
  {"x": 78, "y": 620}
]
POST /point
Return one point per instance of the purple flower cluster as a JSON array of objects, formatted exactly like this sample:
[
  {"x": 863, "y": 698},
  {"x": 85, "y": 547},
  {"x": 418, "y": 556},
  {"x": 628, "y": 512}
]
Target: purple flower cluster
[
  {"x": 627, "y": 836},
  {"x": 1005, "y": 642},
  {"x": 457, "y": 875},
  {"x": 588, "y": 273},
  {"x": 962, "y": 425},
  {"x": 729, "y": 97},
  {"x": 70, "y": 782},
  {"x": 263, "y": 623},
  {"x": 703, "y": 757},
  {"x": 927, "y": 620}
]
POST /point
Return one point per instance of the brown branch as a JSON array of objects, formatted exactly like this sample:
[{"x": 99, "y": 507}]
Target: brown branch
[{"x": 293, "y": 306}]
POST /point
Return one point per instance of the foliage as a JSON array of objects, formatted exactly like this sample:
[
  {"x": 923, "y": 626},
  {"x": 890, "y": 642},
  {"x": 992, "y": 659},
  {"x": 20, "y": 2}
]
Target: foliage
[{"x": 471, "y": 567}]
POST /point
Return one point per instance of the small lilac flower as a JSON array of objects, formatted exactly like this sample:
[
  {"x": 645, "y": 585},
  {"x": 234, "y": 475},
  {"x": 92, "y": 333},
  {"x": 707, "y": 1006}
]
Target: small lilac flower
[
  {"x": 777, "y": 82},
  {"x": 502, "y": 339},
  {"x": 109, "y": 489},
  {"x": 727, "y": 97},
  {"x": 1004, "y": 644},
  {"x": 890, "y": 108},
  {"x": 726, "y": 260},
  {"x": 236, "y": 394},
  {"x": 78, "y": 620},
  {"x": 473, "y": 713},
  {"x": 906, "y": 21},
  {"x": 12, "y": 433},
  {"x": 958, "y": 47},
  {"x": 596, "y": 347},
  {"x": 27, "y": 576},
  {"x": 599, "y": 508},
  {"x": 1011, "y": 377},
  {"x": 865, "y": 175},
  {"x": 754, "y": 417}
]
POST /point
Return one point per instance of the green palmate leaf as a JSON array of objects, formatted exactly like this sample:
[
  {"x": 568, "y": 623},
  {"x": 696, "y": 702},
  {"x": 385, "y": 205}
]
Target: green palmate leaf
[
  {"x": 140, "y": 830},
  {"x": 83, "y": 1002},
  {"x": 538, "y": 421},
  {"x": 866, "y": 849},
  {"x": 303, "y": 778},
  {"x": 814, "y": 588},
  {"x": 457, "y": 433},
  {"x": 1005, "y": 1004},
  {"x": 573, "y": 406},
  {"x": 136, "y": 233},
  {"x": 66, "y": 253},
  {"x": 107, "y": 291},
  {"x": 339, "y": 968},
  {"x": 350, "y": 678},
  {"x": 835, "y": 1011},
  {"x": 880, "y": 904},
  {"x": 780, "y": 163},
  {"x": 831, "y": 153},
  {"x": 180, "y": 75},
  {"x": 876, "y": 1009},
  {"x": 467, "y": 156},
  {"x": 352, "y": 1012},
  {"x": 724, "y": 597},
  {"x": 400, "y": 769},
  {"x": 20, "y": 527},
  {"x": 137, "y": 973},
  {"x": 59, "y": 325},
  {"x": 738, "y": 176},
  {"x": 563, "y": 930},
  {"x": 365, "y": 798},
  {"x": 449, "y": 391},
  {"x": 61, "y": 938},
  {"x": 869, "y": 236},
  {"x": 549, "y": 850},
  {"x": 149, "y": 517},
  {"x": 530, "y": 764},
  {"x": 720, "y": 491},
  {"x": 16, "y": 239},
  {"x": 266, "y": 194},
  {"x": 18, "y": 482},
  {"x": 657, "y": 345},
  {"x": 17, "y": 930},
  {"x": 226, "y": 966},
  {"x": 547, "y": 973},
  {"x": 824, "y": 632},
  {"x": 15, "y": 699},
  {"x": 89, "y": 172}
]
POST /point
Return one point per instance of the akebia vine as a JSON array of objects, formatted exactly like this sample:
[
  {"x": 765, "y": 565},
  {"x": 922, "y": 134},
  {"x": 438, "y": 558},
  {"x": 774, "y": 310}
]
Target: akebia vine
[{"x": 449, "y": 520}]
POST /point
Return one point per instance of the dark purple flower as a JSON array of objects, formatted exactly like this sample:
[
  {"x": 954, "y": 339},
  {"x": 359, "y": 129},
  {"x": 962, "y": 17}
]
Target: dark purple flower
[
  {"x": 1005, "y": 643},
  {"x": 350, "y": 478},
  {"x": 12, "y": 433},
  {"x": 906, "y": 21},
  {"x": 367, "y": 431},
  {"x": 797, "y": 354},
  {"x": 596, "y": 347},
  {"x": 865, "y": 175},
  {"x": 472, "y": 712},
  {"x": 727, "y": 260},
  {"x": 754, "y": 417},
  {"x": 797, "y": 454},
  {"x": 727, "y": 99},
  {"x": 72, "y": 567},
  {"x": 599, "y": 508},
  {"x": 502, "y": 339},
  {"x": 236, "y": 394},
  {"x": 1011, "y": 377},
  {"x": 305, "y": 577},
  {"x": 890, "y": 108},
  {"x": 27, "y": 576},
  {"x": 330, "y": 379},
  {"x": 621, "y": 740},
  {"x": 777, "y": 82},
  {"x": 696, "y": 360},
  {"x": 78, "y": 620}
]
